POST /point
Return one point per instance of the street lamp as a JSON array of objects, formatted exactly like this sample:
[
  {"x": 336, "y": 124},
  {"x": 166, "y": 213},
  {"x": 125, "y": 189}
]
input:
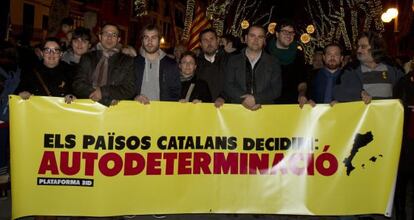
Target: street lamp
[{"x": 391, "y": 13}]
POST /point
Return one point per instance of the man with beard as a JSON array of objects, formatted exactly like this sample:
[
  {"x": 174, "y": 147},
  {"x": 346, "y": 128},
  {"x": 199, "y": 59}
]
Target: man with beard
[
  {"x": 325, "y": 79},
  {"x": 211, "y": 63},
  {"x": 158, "y": 77},
  {"x": 372, "y": 77}
]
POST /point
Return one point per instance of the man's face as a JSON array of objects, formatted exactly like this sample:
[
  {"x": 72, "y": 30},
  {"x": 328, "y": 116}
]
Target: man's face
[
  {"x": 255, "y": 39},
  {"x": 66, "y": 28},
  {"x": 364, "y": 51},
  {"x": 209, "y": 43},
  {"x": 150, "y": 41},
  {"x": 286, "y": 36},
  {"x": 51, "y": 54},
  {"x": 187, "y": 66},
  {"x": 332, "y": 58},
  {"x": 109, "y": 37},
  {"x": 80, "y": 46}
]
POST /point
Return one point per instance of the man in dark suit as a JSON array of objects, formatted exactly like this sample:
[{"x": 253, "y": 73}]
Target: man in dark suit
[{"x": 253, "y": 77}]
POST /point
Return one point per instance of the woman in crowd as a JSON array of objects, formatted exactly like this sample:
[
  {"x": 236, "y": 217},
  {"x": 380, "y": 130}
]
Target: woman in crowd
[
  {"x": 51, "y": 77},
  {"x": 192, "y": 89}
]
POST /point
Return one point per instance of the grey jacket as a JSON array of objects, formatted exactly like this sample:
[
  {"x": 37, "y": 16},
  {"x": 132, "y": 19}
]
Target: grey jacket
[{"x": 350, "y": 85}]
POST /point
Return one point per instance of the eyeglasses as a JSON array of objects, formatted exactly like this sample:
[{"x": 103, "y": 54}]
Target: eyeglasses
[
  {"x": 187, "y": 63},
  {"x": 286, "y": 32},
  {"x": 48, "y": 50},
  {"x": 109, "y": 34}
]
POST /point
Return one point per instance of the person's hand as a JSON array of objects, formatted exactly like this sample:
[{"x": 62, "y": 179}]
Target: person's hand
[
  {"x": 130, "y": 51},
  {"x": 333, "y": 103},
  {"x": 249, "y": 102},
  {"x": 366, "y": 98},
  {"x": 69, "y": 98},
  {"x": 219, "y": 102},
  {"x": 195, "y": 101},
  {"x": 114, "y": 102},
  {"x": 311, "y": 103},
  {"x": 25, "y": 95},
  {"x": 302, "y": 100},
  {"x": 142, "y": 99},
  {"x": 96, "y": 95}
]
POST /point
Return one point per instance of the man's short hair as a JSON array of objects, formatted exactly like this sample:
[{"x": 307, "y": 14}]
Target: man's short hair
[
  {"x": 234, "y": 40},
  {"x": 82, "y": 33},
  {"x": 333, "y": 44},
  {"x": 256, "y": 26},
  {"x": 111, "y": 24},
  {"x": 377, "y": 44},
  {"x": 149, "y": 27},
  {"x": 67, "y": 21},
  {"x": 285, "y": 23},
  {"x": 211, "y": 30},
  {"x": 50, "y": 39}
]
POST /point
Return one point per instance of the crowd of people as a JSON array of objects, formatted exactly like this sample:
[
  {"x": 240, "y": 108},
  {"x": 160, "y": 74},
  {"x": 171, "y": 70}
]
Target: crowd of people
[{"x": 263, "y": 70}]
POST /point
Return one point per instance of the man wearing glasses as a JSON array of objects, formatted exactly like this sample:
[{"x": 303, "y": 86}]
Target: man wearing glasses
[
  {"x": 292, "y": 62},
  {"x": 105, "y": 75},
  {"x": 48, "y": 78}
]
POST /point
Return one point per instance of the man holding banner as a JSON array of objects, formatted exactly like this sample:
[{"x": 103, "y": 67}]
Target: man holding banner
[
  {"x": 158, "y": 77},
  {"x": 105, "y": 75},
  {"x": 253, "y": 77}
]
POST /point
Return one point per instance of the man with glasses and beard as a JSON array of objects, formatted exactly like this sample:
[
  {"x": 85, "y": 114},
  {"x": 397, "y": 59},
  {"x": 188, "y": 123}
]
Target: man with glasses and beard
[{"x": 372, "y": 77}]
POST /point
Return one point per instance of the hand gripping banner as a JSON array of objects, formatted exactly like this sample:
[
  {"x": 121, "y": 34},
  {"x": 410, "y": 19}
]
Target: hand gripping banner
[{"x": 84, "y": 159}]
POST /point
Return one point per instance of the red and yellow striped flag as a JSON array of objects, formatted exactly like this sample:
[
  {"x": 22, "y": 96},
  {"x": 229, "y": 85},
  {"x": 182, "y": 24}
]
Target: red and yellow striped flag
[{"x": 199, "y": 24}]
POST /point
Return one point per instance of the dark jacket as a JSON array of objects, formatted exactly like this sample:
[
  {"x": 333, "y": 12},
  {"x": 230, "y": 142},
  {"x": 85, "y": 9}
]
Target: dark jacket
[
  {"x": 213, "y": 73},
  {"x": 293, "y": 72},
  {"x": 319, "y": 85},
  {"x": 200, "y": 91},
  {"x": 267, "y": 79},
  {"x": 55, "y": 79},
  {"x": 9, "y": 81},
  {"x": 170, "y": 85},
  {"x": 121, "y": 78}
]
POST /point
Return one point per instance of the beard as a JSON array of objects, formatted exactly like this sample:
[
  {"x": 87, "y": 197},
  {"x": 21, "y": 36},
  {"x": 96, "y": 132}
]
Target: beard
[
  {"x": 333, "y": 66},
  {"x": 150, "y": 50}
]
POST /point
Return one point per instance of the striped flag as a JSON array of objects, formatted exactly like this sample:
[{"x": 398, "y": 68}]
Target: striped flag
[{"x": 199, "y": 23}]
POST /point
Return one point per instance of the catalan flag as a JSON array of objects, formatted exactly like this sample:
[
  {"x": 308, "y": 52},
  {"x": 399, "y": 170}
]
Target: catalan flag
[{"x": 199, "y": 23}]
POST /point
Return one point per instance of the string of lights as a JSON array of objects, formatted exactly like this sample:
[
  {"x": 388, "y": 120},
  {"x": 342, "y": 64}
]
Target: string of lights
[
  {"x": 189, "y": 13},
  {"x": 140, "y": 7}
]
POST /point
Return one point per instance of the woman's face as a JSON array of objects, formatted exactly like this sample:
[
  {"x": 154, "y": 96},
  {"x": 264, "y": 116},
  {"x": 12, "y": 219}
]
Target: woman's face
[
  {"x": 51, "y": 54},
  {"x": 187, "y": 65}
]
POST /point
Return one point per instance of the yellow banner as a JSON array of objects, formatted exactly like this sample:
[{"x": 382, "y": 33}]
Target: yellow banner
[{"x": 83, "y": 159}]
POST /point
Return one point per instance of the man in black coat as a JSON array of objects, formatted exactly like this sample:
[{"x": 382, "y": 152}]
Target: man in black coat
[
  {"x": 105, "y": 75},
  {"x": 253, "y": 77},
  {"x": 157, "y": 75}
]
